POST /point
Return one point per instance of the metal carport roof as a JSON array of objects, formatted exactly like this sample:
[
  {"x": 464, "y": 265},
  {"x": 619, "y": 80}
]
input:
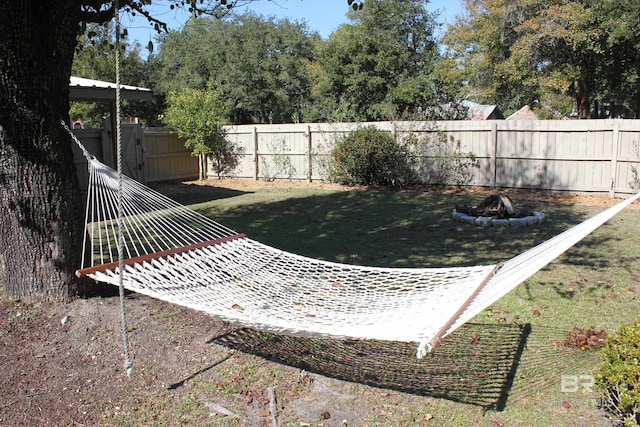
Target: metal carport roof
[{"x": 81, "y": 89}]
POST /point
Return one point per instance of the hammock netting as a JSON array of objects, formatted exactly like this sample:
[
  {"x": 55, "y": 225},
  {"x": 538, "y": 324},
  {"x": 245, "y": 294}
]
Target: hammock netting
[{"x": 178, "y": 255}]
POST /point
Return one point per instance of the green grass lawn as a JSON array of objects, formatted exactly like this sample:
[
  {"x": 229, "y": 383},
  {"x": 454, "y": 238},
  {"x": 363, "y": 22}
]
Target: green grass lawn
[{"x": 594, "y": 285}]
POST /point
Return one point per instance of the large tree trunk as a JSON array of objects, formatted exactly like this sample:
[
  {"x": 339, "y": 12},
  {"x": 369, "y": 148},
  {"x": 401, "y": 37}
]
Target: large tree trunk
[
  {"x": 583, "y": 95},
  {"x": 40, "y": 207}
]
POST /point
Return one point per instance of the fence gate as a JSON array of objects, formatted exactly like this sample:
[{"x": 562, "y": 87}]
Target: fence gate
[
  {"x": 132, "y": 157},
  {"x": 132, "y": 160}
]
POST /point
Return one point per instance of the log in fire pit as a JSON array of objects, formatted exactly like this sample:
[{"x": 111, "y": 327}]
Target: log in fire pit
[{"x": 497, "y": 210}]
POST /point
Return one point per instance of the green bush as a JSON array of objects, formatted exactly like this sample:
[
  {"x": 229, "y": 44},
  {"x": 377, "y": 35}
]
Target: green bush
[
  {"x": 443, "y": 162},
  {"x": 199, "y": 117},
  {"x": 370, "y": 156},
  {"x": 619, "y": 374}
]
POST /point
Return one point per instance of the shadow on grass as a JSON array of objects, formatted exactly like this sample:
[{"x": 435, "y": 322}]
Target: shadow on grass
[
  {"x": 476, "y": 364},
  {"x": 399, "y": 229},
  {"x": 546, "y": 360},
  {"x": 191, "y": 194},
  {"x": 182, "y": 382}
]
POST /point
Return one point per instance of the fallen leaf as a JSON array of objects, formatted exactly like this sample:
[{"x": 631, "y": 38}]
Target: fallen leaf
[
  {"x": 264, "y": 413},
  {"x": 566, "y": 404},
  {"x": 497, "y": 423},
  {"x": 237, "y": 307},
  {"x": 536, "y": 312}
]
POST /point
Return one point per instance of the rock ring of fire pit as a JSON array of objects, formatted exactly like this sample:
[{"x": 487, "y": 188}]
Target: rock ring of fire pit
[{"x": 497, "y": 210}]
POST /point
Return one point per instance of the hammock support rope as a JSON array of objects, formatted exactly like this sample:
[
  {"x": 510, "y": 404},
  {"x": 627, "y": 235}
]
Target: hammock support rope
[{"x": 175, "y": 254}]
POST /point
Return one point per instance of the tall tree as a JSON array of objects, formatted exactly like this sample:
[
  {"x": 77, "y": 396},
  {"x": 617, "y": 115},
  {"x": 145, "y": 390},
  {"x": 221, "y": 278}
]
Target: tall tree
[
  {"x": 478, "y": 64},
  {"x": 39, "y": 202},
  {"x": 257, "y": 64},
  {"x": 379, "y": 66},
  {"x": 518, "y": 52},
  {"x": 563, "y": 41},
  {"x": 621, "y": 65},
  {"x": 40, "y": 207}
]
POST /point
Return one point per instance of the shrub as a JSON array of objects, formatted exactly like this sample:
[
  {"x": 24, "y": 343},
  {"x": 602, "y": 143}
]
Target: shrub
[
  {"x": 198, "y": 116},
  {"x": 279, "y": 164},
  {"x": 225, "y": 157},
  {"x": 619, "y": 374},
  {"x": 370, "y": 156},
  {"x": 444, "y": 162}
]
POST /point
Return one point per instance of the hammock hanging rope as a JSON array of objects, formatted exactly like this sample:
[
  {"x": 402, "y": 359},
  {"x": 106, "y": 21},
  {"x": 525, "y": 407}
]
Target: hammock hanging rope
[{"x": 178, "y": 255}]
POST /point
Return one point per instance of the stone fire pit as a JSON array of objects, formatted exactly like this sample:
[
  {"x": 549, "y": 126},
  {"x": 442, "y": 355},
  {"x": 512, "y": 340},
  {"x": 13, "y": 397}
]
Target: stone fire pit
[{"x": 497, "y": 210}]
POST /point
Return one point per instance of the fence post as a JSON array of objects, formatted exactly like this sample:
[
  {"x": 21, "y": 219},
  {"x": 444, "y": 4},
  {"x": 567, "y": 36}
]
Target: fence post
[
  {"x": 256, "y": 171},
  {"x": 494, "y": 154},
  {"x": 615, "y": 137},
  {"x": 310, "y": 154}
]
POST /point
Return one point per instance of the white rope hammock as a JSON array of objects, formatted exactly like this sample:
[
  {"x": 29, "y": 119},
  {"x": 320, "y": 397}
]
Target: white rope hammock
[{"x": 178, "y": 255}]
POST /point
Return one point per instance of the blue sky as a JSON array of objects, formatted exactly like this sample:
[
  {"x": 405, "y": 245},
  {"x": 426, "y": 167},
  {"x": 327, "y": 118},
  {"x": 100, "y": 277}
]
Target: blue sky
[{"x": 323, "y": 16}]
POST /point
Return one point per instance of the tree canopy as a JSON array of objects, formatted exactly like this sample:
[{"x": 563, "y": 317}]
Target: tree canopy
[
  {"x": 379, "y": 65},
  {"x": 257, "y": 64},
  {"x": 521, "y": 52}
]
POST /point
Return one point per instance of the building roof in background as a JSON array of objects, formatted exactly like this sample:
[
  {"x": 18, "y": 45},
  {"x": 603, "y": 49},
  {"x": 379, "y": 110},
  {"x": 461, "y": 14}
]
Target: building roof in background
[
  {"x": 525, "y": 113},
  {"x": 482, "y": 111},
  {"x": 81, "y": 89}
]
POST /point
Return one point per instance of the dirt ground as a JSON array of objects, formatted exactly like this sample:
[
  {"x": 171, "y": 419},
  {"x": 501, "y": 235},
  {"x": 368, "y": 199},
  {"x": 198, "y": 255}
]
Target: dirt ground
[{"x": 62, "y": 364}]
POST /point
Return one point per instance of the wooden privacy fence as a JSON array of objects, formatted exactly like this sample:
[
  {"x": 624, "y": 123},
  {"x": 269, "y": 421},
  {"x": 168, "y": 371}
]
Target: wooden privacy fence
[
  {"x": 557, "y": 155},
  {"x": 149, "y": 154},
  {"x": 574, "y": 155}
]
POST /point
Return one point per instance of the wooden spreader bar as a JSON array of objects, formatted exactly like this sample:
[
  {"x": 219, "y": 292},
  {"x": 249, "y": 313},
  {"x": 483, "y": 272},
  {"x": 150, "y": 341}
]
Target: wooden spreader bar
[
  {"x": 129, "y": 261},
  {"x": 437, "y": 339}
]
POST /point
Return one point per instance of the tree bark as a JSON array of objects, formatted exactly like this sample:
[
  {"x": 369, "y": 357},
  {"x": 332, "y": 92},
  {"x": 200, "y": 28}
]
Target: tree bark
[
  {"x": 40, "y": 203},
  {"x": 583, "y": 95}
]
